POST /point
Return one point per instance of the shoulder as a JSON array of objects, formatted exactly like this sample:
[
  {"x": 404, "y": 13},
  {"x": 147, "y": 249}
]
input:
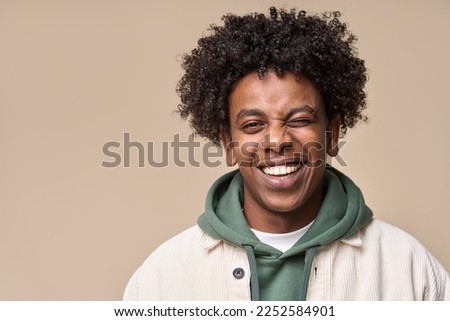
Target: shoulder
[
  {"x": 185, "y": 244},
  {"x": 392, "y": 239},
  {"x": 183, "y": 239},
  {"x": 398, "y": 250},
  {"x": 165, "y": 257},
  {"x": 383, "y": 230},
  {"x": 188, "y": 266}
]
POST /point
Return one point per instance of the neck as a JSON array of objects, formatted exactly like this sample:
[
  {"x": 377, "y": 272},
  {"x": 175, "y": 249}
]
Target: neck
[{"x": 271, "y": 221}]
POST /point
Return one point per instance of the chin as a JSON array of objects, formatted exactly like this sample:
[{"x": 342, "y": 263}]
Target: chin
[{"x": 283, "y": 205}]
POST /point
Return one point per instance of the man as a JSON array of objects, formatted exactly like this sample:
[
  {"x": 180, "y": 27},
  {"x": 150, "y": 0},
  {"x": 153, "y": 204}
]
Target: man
[{"x": 277, "y": 92}]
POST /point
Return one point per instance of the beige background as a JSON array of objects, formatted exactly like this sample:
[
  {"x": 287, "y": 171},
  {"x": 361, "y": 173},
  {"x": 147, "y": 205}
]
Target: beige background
[{"x": 77, "y": 74}]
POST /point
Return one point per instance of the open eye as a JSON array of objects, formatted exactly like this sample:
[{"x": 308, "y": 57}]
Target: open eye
[{"x": 251, "y": 127}]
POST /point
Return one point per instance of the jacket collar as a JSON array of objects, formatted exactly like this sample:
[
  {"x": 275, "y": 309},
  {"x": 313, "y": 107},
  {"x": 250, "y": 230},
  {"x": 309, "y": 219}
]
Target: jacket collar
[
  {"x": 210, "y": 242},
  {"x": 354, "y": 240}
]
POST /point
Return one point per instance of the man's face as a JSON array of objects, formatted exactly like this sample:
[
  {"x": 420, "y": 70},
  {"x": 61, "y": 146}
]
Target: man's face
[{"x": 278, "y": 139}]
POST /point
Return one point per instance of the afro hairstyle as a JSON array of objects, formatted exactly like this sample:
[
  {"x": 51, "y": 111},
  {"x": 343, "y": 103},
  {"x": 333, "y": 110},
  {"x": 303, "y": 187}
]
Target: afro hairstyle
[{"x": 318, "y": 47}]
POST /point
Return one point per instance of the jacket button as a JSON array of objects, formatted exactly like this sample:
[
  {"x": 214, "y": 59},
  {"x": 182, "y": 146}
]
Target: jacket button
[{"x": 238, "y": 273}]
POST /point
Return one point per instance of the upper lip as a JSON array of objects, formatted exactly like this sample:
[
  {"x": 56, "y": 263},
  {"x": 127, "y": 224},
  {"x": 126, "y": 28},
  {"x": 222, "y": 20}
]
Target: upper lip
[{"x": 279, "y": 162}]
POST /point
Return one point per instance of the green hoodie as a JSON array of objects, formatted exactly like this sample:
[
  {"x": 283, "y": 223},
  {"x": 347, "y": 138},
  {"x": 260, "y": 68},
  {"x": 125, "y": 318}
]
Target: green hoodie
[{"x": 276, "y": 275}]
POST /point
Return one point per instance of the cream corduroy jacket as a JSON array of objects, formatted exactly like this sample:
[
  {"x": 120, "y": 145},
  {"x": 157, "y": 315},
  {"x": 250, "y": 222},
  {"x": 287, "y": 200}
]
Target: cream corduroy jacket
[{"x": 380, "y": 262}]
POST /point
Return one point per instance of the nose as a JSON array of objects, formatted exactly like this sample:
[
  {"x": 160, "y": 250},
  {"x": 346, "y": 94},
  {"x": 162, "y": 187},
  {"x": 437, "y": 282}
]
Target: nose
[{"x": 276, "y": 141}]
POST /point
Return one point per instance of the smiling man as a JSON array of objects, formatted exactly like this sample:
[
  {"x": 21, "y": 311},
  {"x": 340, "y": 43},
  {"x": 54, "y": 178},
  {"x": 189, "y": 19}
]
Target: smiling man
[
  {"x": 277, "y": 92},
  {"x": 282, "y": 178}
]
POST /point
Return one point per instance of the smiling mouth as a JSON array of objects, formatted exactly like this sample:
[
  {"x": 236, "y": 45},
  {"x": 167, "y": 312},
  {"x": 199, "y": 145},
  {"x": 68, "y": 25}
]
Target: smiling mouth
[{"x": 281, "y": 170}]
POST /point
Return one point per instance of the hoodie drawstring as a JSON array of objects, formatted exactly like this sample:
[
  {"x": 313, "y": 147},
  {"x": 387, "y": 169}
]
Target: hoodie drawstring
[
  {"x": 309, "y": 257},
  {"x": 254, "y": 283}
]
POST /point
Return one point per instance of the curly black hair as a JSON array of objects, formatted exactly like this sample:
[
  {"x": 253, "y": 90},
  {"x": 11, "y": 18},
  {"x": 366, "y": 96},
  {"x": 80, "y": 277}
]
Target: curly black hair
[{"x": 320, "y": 48}]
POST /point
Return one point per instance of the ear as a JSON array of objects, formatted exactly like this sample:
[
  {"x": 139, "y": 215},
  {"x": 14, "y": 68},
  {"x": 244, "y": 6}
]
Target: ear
[
  {"x": 228, "y": 145},
  {"x": 333, "y": 137}
]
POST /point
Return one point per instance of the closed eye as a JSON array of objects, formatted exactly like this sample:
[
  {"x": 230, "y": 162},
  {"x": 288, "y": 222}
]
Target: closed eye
[{"x": 299, "y": 122}]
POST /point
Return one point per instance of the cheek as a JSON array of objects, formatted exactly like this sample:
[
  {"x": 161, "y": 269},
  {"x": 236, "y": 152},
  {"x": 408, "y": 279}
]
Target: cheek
[
  {"x": 246, "y": 150},
  {"x": 316, "y": 152},
  {"x": 247, "y": 154},
  {"x": 313, "y": 145}
]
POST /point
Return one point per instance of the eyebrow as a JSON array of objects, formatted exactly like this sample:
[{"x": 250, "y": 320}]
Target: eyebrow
[
  {"x": 246, "y": 112},
  {"x": 301, "y": 109}
]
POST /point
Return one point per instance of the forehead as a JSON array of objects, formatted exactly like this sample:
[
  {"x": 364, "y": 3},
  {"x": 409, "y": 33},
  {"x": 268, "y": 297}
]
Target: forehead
[{"x": 274, "y": 94}]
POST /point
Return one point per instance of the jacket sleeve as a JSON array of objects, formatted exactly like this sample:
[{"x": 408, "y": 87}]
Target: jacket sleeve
[
  {"x": 447, "y": 287},
  {"x": 447, "y": 291},
  {"x": 439, "y": 284},
  {"x": 132, "y": 289}
]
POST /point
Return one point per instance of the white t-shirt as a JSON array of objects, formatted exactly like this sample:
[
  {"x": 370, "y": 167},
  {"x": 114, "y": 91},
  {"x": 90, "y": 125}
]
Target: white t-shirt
[{"x": 283, "y": 241}]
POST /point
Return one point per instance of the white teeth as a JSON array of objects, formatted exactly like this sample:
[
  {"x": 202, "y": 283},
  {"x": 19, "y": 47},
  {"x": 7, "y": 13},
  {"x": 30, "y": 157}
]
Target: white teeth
[{"x": 280, "y": 170}]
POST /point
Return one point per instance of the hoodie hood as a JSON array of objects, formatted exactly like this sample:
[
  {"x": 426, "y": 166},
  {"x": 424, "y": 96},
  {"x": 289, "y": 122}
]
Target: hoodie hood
[{"x": 342, "y": 213}]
